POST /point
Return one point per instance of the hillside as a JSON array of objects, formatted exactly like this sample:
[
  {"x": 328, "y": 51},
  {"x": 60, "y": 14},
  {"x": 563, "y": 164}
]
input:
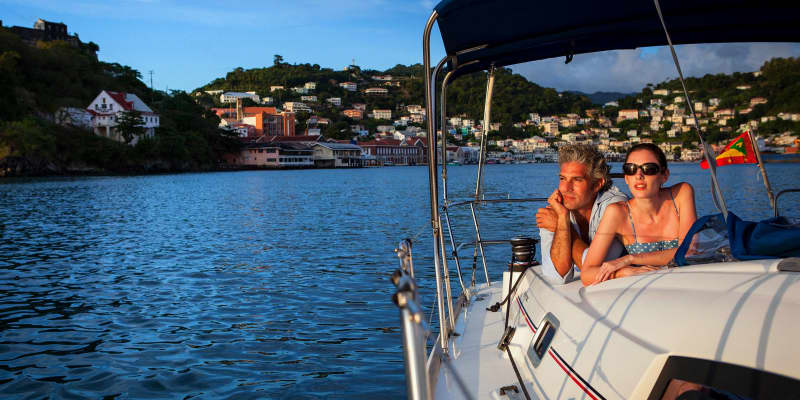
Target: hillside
[
  {"x": 38, "y": 80},
  {"x": 777, "y": 82},
  {"x": 514, "y": 98}
]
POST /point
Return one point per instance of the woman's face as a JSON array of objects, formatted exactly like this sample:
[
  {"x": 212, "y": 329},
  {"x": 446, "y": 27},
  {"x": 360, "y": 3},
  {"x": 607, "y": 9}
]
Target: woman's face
[{"x": 641, "y": 185}]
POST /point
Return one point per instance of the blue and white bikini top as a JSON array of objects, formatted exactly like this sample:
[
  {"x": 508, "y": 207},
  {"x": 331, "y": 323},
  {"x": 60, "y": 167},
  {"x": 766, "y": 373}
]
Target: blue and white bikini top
[{"x": 636, "y": 247}]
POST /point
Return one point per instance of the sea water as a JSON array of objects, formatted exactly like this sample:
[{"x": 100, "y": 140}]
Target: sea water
[{"x": 257, "y": 284}]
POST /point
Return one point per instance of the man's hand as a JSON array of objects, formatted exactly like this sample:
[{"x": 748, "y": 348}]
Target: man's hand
[
  {"x": 546, "y": 218},
  {"x": 608, "y": 268},
  {"x": 556, "y": 202}
]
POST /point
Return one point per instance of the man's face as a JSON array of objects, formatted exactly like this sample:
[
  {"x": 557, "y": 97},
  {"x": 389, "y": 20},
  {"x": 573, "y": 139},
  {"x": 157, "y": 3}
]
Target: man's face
[{"x": 576, "y": 186}]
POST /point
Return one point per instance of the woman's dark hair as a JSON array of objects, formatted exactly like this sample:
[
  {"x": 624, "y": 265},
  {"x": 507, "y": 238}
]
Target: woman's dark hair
[{"x": 660, "y": 156}]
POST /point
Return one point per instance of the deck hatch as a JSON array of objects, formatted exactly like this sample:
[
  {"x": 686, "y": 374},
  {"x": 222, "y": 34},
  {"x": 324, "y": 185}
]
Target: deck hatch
[{"x": 541, "y": 341}]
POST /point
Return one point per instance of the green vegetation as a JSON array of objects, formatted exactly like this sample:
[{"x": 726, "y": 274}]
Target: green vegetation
[{"x": 38, "y": 80}]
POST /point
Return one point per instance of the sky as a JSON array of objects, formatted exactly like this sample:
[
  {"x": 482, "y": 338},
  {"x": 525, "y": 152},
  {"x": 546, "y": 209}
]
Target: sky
[{"x": 188, "y": 44}]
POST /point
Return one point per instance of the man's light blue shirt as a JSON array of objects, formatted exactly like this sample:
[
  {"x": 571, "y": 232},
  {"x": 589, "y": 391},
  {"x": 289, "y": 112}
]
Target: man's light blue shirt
[{"x": 612, "y": 195}]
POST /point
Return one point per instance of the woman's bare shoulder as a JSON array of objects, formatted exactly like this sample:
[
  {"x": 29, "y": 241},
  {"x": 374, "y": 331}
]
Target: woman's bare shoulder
[
  {"x": 681, "y": 189},
  {"x": 616, "y": 210}
]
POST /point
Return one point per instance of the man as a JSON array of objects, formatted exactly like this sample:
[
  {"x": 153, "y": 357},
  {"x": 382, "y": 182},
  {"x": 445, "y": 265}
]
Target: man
[{"x": 568, "y": 224}]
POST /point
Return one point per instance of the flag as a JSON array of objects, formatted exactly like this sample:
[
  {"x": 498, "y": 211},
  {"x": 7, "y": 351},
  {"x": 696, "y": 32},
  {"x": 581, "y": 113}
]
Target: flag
[{"x": 738, "y": 151}]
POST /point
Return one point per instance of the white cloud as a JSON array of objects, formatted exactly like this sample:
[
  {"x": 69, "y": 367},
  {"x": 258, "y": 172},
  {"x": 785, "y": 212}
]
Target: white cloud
[{"x": 631, "y": 70}]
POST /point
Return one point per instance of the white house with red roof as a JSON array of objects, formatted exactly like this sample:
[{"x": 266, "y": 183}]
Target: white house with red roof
[{"x": 108, "y": 106}]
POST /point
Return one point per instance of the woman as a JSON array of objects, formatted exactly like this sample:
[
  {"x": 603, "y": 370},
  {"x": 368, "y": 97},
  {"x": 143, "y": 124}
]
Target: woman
[{"x": 651, "y": 225}]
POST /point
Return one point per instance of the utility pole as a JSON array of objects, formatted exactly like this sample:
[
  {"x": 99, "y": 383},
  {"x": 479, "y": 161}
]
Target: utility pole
[{"x": 151, "y": 86}]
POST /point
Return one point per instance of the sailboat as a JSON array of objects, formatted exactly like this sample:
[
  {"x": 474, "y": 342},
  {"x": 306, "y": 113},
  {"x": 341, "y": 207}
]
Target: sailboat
[{"x": 723, "y": 329}]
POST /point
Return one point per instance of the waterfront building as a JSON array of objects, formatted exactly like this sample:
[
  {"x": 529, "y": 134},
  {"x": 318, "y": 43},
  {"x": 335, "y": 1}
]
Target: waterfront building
[
  {"x": 276, "y": 87},
  {"x": 273, "y": 155},
  {"x": 360, "y": 106},
  {"x": 337, "y": 101},
  {"x": 336, "y": 155},
  {"x": 411, "y": 151},
  {"x": 309, "y": 98},
  {"x": 109, "y": 106},
  {"x": 310, "y": 86}
]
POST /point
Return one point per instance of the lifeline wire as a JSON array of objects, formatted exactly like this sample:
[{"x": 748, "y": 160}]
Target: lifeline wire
[{"x": 706, "y": 150}]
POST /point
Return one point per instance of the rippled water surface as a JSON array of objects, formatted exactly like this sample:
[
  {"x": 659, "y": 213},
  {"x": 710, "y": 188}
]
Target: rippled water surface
[{"x": 244, "y": 284}]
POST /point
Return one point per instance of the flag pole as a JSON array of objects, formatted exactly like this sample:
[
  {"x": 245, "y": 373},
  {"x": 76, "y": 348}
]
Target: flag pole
[{"x": 761, "y": 167}]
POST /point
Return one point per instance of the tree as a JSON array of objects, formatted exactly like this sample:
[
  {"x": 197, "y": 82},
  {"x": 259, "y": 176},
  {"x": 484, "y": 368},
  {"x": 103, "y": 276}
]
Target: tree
[
  {"x": 130, "y": 125},
  {"x": 278, "y": 60}
]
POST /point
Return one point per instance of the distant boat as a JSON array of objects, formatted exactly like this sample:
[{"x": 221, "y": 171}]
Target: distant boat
[{"x": 492, "y": 161}]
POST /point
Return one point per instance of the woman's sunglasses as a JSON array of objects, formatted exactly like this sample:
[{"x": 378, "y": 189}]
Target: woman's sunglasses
[{"x": 647, "y": 168}]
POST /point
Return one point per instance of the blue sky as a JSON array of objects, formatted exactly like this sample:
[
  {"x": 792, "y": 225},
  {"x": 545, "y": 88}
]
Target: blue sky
[{"x": 190, "y": 43}]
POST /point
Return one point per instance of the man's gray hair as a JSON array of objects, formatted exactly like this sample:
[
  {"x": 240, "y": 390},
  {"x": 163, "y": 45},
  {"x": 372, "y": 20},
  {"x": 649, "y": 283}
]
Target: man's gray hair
[{"x": 589, "y": 156}]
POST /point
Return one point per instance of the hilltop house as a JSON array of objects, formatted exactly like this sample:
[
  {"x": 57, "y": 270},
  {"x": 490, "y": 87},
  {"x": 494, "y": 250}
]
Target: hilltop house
[{"x": 108, "y": 106}]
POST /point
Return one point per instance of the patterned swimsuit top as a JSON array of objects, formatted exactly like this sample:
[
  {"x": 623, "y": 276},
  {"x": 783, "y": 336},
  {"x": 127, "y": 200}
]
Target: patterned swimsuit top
[{"x": 636, "y": 247}]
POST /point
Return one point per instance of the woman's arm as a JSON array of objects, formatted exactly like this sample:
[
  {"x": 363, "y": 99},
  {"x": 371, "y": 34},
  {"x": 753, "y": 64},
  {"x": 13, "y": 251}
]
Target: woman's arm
[
  {"x": 684, "y": 201},
  {"x": 606, "y": 232}
]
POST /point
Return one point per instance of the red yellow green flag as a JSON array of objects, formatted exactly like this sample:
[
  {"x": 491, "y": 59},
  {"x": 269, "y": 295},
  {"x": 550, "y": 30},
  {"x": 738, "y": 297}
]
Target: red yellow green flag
[{"x": 738, "y": 151}]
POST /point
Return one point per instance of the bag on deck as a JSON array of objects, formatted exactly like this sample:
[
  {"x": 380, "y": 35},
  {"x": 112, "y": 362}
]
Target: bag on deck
[{"x": 711, "y": 239}]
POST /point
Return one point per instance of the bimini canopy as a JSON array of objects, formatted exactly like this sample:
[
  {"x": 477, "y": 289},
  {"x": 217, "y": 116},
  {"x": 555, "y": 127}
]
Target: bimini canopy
[{"x": 479, "y": 33}]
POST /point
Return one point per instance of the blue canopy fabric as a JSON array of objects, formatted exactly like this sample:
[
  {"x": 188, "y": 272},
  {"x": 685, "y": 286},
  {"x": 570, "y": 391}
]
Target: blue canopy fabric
[
  {"x": 718, "y": 240},
  {"x": 479, "y": 33}
]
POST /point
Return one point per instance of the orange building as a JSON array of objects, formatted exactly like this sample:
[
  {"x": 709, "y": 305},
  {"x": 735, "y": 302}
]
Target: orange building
[
  {"x": 266, "y": 120},
  {"x": 353, "y": 114}
]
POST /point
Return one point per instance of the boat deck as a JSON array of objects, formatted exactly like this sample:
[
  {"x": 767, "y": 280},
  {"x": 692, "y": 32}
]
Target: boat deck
[{"x": 479, "y": 332}]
